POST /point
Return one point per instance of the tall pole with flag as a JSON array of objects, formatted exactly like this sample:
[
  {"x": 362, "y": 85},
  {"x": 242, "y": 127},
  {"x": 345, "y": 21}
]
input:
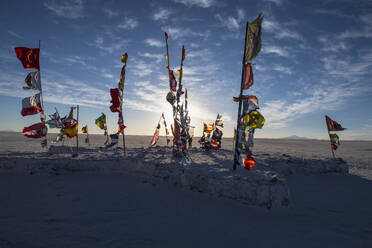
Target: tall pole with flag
[
  {"x": 252, "y": 47},
  {"x": 333, "y": 137},
  {"x": 124, "y": 59},
  {"x": 32, "y": 105}
]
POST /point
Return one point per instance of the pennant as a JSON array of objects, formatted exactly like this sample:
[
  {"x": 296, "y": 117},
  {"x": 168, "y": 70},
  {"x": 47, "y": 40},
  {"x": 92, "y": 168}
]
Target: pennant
[
  {"x": 208, "y": 128},
  {"x": 115, "y": 96},
  {"x": 248, "y": 76},
  {"x": 101, "y": 121},
  {"x": 28, "y": 57},
  {"x": 333, "y": 125},
  {"x": 172, "y": 81},
  {"x": 84, "y": 129},
  {"x": 31, "y": 105},
  {"x": 155, "y": 138},
  {"x": 184, "y": 54},
  {"x": 33, "y": 81},
  {"x": 35, "y": 131},
  {"x": 253, "y": 39},
  {"x": 71, "y": 131}
]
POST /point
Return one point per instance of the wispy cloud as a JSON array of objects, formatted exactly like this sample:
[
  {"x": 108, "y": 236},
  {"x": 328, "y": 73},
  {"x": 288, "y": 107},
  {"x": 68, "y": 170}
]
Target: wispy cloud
[
  {"x": 70, "y": 9},
  {"x": 162, "y": 14},
  {"x": 155, "y": 56},
  {"x": 198, "y": 3},
  {"x": 128, "y": 23},
  {"x": 232, "y": 23},
  {"x": 108, "y": 47},
  {"x": 280, "y": 51},
  {"x": 280, "y": 30},
  {"x": 365, "y": 32},
  {"x": 283, "y": 69},
  {"x": 154, "y": 42},
  {"x": 109, "y": 12},
  {"x": 177, "y": 32},
  {"x": 15, "y": 34},
  {"x": 277, "y": 2}
]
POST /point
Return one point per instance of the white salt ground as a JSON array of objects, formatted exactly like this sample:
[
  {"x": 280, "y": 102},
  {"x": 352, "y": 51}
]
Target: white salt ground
[{"x": 101, "y": 200}]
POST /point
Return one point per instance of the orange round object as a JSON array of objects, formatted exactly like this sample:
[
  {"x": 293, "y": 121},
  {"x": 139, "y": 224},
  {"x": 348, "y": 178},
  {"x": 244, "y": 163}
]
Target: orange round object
[{"x": 249, "y": 162}]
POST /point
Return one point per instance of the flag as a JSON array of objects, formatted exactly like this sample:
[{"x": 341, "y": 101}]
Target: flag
[
  {"x": 87, "y": 140},
  {"x": 333, "y": 125},
  {"x": 171, "y": 98},
  {"x": 166, "y": 36},
  {"x": 124, "y": 58},
  {"x": 35, "y": 131},
  {"x": 248, "y": 76},
  {"x": 217, "y": 134},
  {"x": 101, "y": 121},
  {"x": 29, "y": 57},
  {"x": 172, "y": 81},
  {"x": 33, "y": 81},
  {"x": 31, "y": 105},
  {"x": 71, "y": 131},
  {"x": 208, "y": 128},
  {"x": 84, "y": 129},
  {"x": 115, "y": 96},
  {"x": 155, "y": 138},
  {"x": 184, "y": 54},
  {"x": 179, "y": 73},
  {"x": 246, "y": 98},
  {"x": 253, "y": 39},
  {"x": 114, "y": 139},
  {"x": 55, "y": 121},
  {"x": 254, "y": 119},
  {"x": 334, "y": 139},
  {"x": 250, "y": 105}
]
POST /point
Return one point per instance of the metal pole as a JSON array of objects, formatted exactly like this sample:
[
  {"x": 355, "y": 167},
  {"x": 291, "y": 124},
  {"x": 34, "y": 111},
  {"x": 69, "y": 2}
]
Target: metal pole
[{"x": 240, "y": 99}]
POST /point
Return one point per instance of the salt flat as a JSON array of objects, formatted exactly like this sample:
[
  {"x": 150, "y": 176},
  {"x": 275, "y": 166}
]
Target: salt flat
[{"x": 96, "y": 200}]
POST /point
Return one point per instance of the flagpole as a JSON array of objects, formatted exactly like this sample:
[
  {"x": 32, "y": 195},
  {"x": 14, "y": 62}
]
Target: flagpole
[
  {"x": 333, "y": 153},
  {"x": 41, "y": 97},
  {"x": 121, "y": 109},
  {"x": 77, "y": 134},
  {"x": 240, "y": 98},
  {"x": 88, "y": 137}
]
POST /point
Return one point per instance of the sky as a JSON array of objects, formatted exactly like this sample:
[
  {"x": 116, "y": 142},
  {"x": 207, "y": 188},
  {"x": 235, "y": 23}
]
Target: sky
[{"x": 316, "y": 59}]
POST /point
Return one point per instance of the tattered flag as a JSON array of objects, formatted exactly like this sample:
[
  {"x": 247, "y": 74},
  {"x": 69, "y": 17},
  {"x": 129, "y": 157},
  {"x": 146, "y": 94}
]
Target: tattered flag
[{"x": 29, "y": 57}]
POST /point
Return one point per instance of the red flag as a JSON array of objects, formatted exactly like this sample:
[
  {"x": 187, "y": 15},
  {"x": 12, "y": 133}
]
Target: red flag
[
  {"x": 28, "y": 57},
  {"x": 172, "y": 81},
  {"x": 248, "y": 76},
  {"x": 115, "y": 96},
  {"x": 166, "y": 36},
  {"x": 35, "y": 131},
  {"x": 333, "y": 125}
]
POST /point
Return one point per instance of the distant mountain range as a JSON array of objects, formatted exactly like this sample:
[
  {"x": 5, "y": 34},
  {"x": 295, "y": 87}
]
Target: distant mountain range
[{"x": 295, "y": 137}]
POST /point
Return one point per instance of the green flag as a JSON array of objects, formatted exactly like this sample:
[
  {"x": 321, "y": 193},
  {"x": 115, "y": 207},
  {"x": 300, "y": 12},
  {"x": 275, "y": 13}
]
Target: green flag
[
  {"x": 334, "y": 139},
  {"x": 101, "y": 121},
  {"x": 253, "y": 46}
]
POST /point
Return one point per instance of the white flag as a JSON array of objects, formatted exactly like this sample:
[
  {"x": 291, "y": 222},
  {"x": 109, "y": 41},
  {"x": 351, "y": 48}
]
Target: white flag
[
  {"x": 33, "y": 81},
  {"x": 31, "y": 105}
]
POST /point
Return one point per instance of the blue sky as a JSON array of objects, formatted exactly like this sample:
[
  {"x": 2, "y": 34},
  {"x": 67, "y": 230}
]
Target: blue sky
[{"x": 316, "y": 59}]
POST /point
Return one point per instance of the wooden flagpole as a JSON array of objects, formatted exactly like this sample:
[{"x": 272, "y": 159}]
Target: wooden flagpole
[
  {"x": 88, "y": 136},
  {"x": 42, "y": 117},
  {"x": 240, "y": 99},
  {"x": 121, "y": 109}
]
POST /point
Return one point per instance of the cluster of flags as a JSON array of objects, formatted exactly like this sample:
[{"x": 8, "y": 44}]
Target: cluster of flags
[
  {"x": 208, "y": 142},
  {"x": 333, "y": 126},
  {"x": 249, "y": 118},
  {"x": 32, "y": 105},
  {"x": 181, "y": 129}
]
